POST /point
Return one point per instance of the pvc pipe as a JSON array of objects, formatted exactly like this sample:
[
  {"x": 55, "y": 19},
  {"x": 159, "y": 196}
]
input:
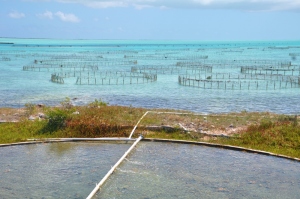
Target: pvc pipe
[
  {"x": 113, "y": 168},
  {"x": 157, "y": 112},
  {"x": 137, "y": 124},
  {"x": 153, "y": 112}
]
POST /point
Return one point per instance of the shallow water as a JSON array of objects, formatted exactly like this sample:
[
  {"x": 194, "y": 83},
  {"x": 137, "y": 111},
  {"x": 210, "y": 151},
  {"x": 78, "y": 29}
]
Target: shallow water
[
  {"x": 19, "y": 87},
  {"x": 152, "y": 170},
  {"x": 57, "y": 170},
  {"x": 160, "y": 170}
]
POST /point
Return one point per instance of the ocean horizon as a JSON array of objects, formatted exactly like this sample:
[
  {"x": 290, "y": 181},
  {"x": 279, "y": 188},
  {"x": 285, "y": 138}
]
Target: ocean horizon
[{"x": 198, "y": 76}]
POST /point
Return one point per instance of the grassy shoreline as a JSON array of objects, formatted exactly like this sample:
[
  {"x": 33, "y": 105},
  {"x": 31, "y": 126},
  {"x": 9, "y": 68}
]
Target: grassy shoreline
[{"x": 279, "y": 134}]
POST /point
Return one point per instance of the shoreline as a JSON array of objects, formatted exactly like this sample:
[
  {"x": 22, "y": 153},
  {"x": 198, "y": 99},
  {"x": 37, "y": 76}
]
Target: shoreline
[
  {"x": 254, "y": 130},
  {"x": 14, "y": 115}
]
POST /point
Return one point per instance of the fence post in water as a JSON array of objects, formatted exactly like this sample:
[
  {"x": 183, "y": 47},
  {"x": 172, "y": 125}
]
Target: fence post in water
[{"x": 279, "y": 84}]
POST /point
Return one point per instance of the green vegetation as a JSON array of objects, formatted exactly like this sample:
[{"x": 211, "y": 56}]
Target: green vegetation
[
  {"x": 21, "y": 131},
  {"x": 30, "y": 108},
  {"x": 57, "y": 119},
  {"x": 98, "y": 103},
  {"x": 281, "y": 137},
  {"x": 279, "y": 134}
]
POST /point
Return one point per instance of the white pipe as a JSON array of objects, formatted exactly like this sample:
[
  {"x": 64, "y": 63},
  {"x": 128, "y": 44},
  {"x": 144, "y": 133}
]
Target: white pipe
[
  {"x": 137, "y": 124},
  {"x": 112, "y": 169},
  {"x": 176, "y": 113}
]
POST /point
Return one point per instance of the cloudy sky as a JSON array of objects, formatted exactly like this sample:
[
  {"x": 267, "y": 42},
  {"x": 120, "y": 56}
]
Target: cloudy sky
[{"x": 151, "y": 19}]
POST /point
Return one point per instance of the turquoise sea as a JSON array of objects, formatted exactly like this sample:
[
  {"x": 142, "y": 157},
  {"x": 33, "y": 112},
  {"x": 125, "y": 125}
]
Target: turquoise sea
[{"x": 200, "y": 76}]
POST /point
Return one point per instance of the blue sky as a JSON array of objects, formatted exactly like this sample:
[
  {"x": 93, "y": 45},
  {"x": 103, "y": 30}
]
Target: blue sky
[{"x": 151, "y": 19}]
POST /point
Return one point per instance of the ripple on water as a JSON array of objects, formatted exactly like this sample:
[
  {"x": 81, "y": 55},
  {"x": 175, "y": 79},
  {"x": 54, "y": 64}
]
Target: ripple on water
[
  {"x": 187, "y": 171},
  {"x": 57, "y": 170}
]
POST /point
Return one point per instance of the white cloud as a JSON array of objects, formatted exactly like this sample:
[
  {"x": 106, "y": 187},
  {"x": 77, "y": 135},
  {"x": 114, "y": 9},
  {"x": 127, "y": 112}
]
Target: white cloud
[
  {"x": 100, "y": 3},
  {"x": 46, "y": 14},
  {"x": 247, "y": 5},
  {"x": 140, "y": 7},
  {"x": 205, "y": 2},
  {"x": 62, "y": 16},
  {"x": 67, "y": 17},
  {"x": 16, "y": 15},
  {"x": 287, "y": 5},
  {"x": 106, "y": 4}
]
